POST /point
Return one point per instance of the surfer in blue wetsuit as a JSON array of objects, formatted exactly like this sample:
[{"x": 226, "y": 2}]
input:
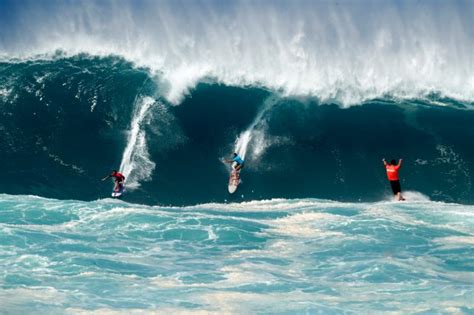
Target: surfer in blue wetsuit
[{"x": 237, "y": 162}]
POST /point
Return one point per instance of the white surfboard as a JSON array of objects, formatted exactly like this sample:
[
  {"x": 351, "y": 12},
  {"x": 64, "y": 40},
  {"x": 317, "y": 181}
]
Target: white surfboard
[
  {"x": 119, "y": 193},
  {"x": 234, "y": 181}
]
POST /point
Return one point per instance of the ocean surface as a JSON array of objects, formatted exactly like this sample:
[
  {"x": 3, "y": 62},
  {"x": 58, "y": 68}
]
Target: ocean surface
[
  {"x": 312, "y": 94},
  {"x": 272, "y": 256}
]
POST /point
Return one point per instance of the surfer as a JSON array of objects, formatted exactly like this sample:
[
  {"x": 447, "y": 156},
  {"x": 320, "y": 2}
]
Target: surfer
[
  {"x": 118, "y": 178},
  {"x": 392, "y": 174},
  {"x": 239, "y": 162}
]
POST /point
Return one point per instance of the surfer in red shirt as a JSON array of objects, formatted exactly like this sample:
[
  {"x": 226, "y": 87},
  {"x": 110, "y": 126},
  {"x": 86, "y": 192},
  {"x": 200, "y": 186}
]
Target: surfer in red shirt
[
  {"x": 118, "y": 178},
  {"x": 392, "y": 174}
]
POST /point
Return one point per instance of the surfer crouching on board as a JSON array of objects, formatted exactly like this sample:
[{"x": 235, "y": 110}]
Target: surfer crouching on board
[
  {"x": 118, "y": 178},
  {"x": 237, "y": 162},
  {"x": 392, "y": 174}
]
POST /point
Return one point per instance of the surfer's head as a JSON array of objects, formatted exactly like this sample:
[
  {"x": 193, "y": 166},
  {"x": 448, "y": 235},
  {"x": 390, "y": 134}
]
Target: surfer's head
[
  {"x": 235, "y": 154},
  {"x": 393, "y": 162},
  {"x": 114, "y": 172}
]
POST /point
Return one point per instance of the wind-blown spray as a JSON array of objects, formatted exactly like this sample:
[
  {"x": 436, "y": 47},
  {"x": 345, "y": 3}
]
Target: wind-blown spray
[
  {"x": 338, "y": 51},
  {"x": 136, "y": 164},
  {"x": 255, "y": 132}
]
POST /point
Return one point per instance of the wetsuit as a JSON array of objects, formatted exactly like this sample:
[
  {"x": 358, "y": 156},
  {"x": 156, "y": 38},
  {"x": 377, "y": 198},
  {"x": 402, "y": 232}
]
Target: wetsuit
[{"x": 239, "y": 161}]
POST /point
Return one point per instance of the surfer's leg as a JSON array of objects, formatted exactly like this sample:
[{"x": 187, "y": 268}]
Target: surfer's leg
[
  {"x": 396, "y": 189},
  {"x": 393, "y": 185}
]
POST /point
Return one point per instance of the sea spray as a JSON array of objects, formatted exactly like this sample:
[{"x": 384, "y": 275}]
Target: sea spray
[
  {"x": 338, "y": 51},
  {"x": 136, "y": 164},
  {"x": 255, "y": 132}
]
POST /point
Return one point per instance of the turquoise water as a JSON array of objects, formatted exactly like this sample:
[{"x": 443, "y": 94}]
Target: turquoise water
[
  {"x": 312, "y": 94},
  {"x": 271, "y": 256}
]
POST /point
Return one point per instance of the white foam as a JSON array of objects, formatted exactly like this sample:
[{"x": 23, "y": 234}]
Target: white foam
[
  {"x": 410, "y": 197},
  {"x": 455, "y": 241},
  {"x": 23, "y": 296},
  {"x": 336, "y": 51},
  {"x": 5, "y": 92},
  {"x": 276, "y": 204},
  {"x": 131, "y": 311},
  {"x": 136, "y": 164},
  {"x": 308, "y": 225},
  {"x": 255, "y": 133},
  {"x": 243, "y": 274},
  {"x": 415, "y": 196}
]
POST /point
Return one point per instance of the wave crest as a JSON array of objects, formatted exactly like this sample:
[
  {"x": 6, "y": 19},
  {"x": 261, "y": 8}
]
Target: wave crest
[{"x": 337, "y": 52}]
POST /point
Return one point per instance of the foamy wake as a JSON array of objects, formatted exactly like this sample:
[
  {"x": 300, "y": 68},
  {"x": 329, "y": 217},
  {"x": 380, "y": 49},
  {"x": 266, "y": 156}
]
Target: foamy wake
[
  {"x": 254, "y": 136},
  {"x": 136, "y": 164}
]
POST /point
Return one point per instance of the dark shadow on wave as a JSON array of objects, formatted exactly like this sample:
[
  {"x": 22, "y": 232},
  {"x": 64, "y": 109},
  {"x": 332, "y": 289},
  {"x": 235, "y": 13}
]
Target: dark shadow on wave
[{"x": 64, "y": 124}]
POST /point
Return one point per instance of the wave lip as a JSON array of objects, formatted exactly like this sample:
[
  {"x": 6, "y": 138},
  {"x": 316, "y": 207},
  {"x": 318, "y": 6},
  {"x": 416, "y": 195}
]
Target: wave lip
[{"x": 337, "y": 52}]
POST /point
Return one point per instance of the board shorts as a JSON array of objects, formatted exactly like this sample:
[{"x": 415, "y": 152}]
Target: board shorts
[
  {"x": 395, "y": 186},
  {"x": 235, "y": 164}
]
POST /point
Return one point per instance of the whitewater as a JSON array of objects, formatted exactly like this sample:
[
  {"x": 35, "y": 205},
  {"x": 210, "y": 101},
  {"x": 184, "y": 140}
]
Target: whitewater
[
  {"x": 312, "y": 94},
  {"x": 271, "y": 256},
  {"x": 344, "y": 52}
]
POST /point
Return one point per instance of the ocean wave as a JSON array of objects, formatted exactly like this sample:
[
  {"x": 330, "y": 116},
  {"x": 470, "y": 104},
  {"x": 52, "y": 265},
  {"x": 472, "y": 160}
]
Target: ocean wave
[
  {"x": 70, "y": 120},
  {"x": 271, "y": 255},
  {"x": 336, "y": 52}
]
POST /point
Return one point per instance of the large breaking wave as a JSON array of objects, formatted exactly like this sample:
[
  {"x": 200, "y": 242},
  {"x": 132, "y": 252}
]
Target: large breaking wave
[
  {"x": 68, "y": 121},
  {"x": 89, "y": 87},
  {"x": 343, "y": 51},
  {"x": 313, "y": 94}
]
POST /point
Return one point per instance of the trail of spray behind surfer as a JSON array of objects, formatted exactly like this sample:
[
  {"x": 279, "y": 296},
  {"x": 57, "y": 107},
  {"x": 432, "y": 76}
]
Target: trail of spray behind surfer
[
  {"x": 255, "y": 132},
  {"x": 136, "y": 164}
]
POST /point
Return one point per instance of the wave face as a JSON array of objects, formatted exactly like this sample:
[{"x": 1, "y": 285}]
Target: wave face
[
  {"x": 344, "y": 51},
  {"x": 278, "y": 256},
  {"x": 67, "y": 122}
]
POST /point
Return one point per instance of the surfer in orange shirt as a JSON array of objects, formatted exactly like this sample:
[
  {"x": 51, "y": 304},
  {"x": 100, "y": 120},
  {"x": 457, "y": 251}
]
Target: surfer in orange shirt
[{"x": 392, "y": 174}]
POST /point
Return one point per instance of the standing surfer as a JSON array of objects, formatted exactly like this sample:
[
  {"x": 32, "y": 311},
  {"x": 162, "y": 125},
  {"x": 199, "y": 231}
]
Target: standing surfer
[
  {"x": 239, "y": 162},
  {"x": 392, "y": 174},
  {"x": 118, "y": 178}
]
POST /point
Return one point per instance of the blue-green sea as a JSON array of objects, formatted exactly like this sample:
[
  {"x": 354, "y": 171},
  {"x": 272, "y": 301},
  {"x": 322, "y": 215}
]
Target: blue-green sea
[
  {"x": 302, "y": 256},
  {"x": 312, "y": 94}
]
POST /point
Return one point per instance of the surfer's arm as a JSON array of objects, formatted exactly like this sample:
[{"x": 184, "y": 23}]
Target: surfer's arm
[
  {"x": 106, "y": 177},
  {"x": 384, "y": 162},
  {"x": 400, "y": 162}
]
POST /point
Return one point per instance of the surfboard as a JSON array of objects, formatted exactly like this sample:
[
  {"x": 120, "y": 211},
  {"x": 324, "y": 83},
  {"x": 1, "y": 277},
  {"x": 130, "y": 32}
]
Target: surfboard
[
  {"x": 234, "y": 181},
  {"x": 118, "y": 193}
]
